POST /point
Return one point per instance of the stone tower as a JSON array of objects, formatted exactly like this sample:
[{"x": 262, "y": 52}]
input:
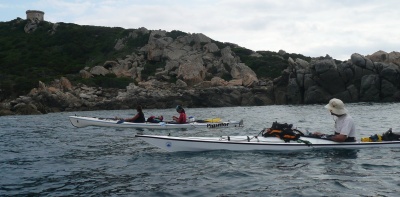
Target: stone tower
[{"x": 35, "y": 15}]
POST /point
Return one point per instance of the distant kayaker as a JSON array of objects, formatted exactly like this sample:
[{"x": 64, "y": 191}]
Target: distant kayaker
[
  {"x": 139, "y": 117},
  {"x": 182, "y": 115},
  {"x": 345, "y": 129}
]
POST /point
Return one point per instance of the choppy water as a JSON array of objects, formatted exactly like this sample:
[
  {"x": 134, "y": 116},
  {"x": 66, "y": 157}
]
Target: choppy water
[{"x": 44, "y": 155}]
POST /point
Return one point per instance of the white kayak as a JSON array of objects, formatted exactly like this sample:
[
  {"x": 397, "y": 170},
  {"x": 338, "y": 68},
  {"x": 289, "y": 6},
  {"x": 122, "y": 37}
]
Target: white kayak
[
  {"x": 82, "y": 121},
  {"x": 248, "y": 143}
]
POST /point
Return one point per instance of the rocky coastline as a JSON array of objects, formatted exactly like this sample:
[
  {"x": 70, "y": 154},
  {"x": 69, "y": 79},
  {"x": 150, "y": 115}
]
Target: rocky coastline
[
  {"x": 196, "y": 71},
  {"x": 375, "y": 78}
]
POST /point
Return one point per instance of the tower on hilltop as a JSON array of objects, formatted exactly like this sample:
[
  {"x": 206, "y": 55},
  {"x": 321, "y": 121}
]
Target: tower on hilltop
[{"x": 35, "y": 15}]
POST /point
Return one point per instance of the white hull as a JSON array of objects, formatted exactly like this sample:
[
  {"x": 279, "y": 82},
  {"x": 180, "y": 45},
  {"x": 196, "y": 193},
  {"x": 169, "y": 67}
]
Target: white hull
[
  {"x": 81, "y": 121},
  {"x": 247, "y": 143}
]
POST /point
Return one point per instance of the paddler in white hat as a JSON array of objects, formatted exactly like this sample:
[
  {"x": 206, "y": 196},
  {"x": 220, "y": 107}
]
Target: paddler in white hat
[{"x": 345, "y": 129}]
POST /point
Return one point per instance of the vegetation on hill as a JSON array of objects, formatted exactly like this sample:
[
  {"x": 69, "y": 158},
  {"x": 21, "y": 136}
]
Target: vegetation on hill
[
  {"x": 27, "y": 58},
  {"x": 269, "y": 65}
]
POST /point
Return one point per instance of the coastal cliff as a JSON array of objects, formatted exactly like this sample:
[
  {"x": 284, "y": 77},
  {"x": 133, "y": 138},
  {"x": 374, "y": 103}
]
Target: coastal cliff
[{"x": 193, "y": 70}]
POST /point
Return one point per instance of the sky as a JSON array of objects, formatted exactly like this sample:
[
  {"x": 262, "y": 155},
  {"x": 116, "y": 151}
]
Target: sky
[{"x": 314, "y": 28}]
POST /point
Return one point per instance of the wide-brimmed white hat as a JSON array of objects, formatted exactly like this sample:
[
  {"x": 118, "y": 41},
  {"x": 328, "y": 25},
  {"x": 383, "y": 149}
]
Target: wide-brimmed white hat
[{"x": 336, "y": 106}]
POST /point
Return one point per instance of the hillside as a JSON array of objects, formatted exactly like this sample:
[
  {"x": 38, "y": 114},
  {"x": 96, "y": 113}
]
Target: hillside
[
  {"x": 50, "y": 51},
  {"x": 48, "y": 67}
]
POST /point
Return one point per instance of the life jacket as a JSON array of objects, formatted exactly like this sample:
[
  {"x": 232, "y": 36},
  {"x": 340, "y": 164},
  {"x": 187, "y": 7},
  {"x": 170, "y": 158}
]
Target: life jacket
[
  {"x": 141, "y": 118},
  {"x": 282, "y": 131},
  {"x": 153, "y": 119}
]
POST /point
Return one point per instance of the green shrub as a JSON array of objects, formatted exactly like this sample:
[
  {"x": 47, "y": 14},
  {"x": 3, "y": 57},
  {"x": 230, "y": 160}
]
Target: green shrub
[
  {"x": 242, "y": 51},
  {"x": 24, "y": 84},
  {"x": 139, "y": 41},
  {"x": 208, "y": 77},
  {"x": 227, "y": 77},
  {"x": 175, "y": 34},
  {"x": 227, "y": 68},
  {"x": 108, "y": 81},
  {"x": 151, "y": 67},
  {"x": 222, "y": 45},
  {"x": 269, "y": 65},
  {"x": 202, "y": 44},
  {"x": 294, "y": 56},
  {"x": 172, "y": 79},
  {"x": 217, "y": 53},
  {"x": 213, "y": 70}
]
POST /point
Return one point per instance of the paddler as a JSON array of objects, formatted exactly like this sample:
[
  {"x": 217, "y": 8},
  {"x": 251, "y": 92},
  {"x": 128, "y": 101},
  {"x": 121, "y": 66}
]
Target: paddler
[
  {"x": 182, "y": 115},
  {"x": 345, "y": 129},
  {"x": 138, "y": 118}
]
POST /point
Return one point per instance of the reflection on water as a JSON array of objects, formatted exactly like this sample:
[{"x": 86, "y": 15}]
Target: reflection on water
[{"x": 337, "y": 153}]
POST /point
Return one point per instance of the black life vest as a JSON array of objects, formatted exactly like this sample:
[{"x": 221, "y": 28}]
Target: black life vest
[
  {"x": 283, "y": 131},
  {"x": 390, "y": 136}
]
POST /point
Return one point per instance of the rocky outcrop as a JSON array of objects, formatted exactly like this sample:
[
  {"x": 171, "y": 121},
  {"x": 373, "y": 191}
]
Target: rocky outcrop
[
  {"x": 192, "y": 58},
  {"x": 358, "y": 79},
  {"x": 192, "y": 71},
  {"x": 382, "y": 56},
  {"x": 61, "y": 96},
  {"x": 31, "y": 26}
]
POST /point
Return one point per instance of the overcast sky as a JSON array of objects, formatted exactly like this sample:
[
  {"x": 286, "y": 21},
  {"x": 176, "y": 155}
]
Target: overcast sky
[{"x": 313, "y": 28}]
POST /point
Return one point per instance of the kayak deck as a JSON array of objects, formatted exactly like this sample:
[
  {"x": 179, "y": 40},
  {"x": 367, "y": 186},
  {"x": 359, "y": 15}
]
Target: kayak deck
[
  {"x": 82, "y": 121},
  {"x": 246, "y": 143}
]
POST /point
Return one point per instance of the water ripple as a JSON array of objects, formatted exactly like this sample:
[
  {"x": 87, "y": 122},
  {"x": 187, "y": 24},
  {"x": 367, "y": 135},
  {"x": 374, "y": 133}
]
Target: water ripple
[{"x": 45, "y": 155}]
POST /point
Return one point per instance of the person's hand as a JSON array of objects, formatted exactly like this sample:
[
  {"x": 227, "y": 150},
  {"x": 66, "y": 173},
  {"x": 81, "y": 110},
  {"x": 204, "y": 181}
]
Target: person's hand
[
  {"x": 317, "y": 133},
  {"x": 118, "y": 118}
]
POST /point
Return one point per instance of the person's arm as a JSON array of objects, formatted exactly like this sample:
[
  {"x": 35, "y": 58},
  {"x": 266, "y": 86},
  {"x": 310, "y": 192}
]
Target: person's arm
[
  {"x": 132, "y": 119},
  {"x": 339, "y": 138}
]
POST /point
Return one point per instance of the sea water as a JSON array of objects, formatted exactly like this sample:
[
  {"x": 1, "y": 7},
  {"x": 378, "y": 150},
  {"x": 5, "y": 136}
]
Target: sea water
[{"x": 44, "y": 155}]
